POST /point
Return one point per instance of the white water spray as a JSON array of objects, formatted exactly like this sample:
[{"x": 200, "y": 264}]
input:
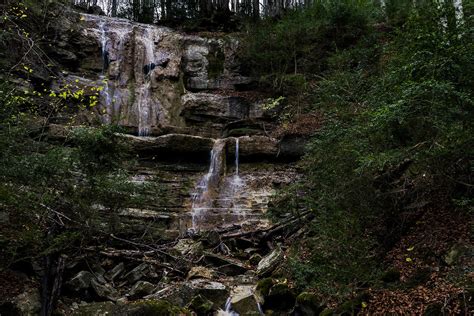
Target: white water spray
[
  {"x": 202, "y": 198},
  {"x": 143, "y": 97},
  {"x": 105, "y": 93},
  {"x": 237, "y": 156}
]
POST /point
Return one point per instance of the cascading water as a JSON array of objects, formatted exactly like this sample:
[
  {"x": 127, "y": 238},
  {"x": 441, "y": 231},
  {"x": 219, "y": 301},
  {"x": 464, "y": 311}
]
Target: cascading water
[
  {"x": 143, "y": 104},
  {"x": 237, "y": 157},
  {"x": 217, "y": 199},
  {"x": 228, "y": 309},
  {"x": 143, "y": 109},
  {"x": 129, "y": 56},
  {"x": 237, "y": 181},
  {"x": 105, "y": 93},
  {"x": 202, "y": 198},
  {"x": 234, "y": 186}
]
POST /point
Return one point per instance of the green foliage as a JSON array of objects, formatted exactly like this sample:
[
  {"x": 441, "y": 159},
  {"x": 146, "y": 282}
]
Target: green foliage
[
  {"x": 398, "y": 135},
  {"x": 300, "y": 43},
  {"x": 53, "y": 195},
  {"x": 99, "y": 150}
]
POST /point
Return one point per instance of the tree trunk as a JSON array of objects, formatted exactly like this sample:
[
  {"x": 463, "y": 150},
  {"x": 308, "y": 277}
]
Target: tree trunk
[
  {"x": 256, "y": 9},
  {"x": 113, "y": 10}
]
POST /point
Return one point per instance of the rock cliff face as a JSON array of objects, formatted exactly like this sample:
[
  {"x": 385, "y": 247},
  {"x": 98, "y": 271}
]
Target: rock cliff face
[
  {"x": 183, "y": 101},
  {"x": 153, "y": 79}
]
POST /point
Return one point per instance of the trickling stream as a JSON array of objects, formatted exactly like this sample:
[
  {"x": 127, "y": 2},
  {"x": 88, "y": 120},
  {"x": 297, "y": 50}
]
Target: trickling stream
[
  {"x": 202, "y": 198},
  {"x": 228, "y": 309},
  {"x": 218, "y": 195}
]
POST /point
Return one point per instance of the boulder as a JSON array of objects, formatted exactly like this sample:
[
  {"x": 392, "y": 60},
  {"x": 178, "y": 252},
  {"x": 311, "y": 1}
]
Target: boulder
[
  {"x": 188, "y": 247},
  {"x": 216, "y": 292},
  {"x": 263, "y": 289},
  {"x": 270, "y": 262},
  {"x": 182, "y": 294},
  {"x": 453, "y": 255},
  {"x": 308, "y": 304},
  {"x": 81, "y": 281},
  {"x": 225, "y": 265},
  {"x": 27, "y": 303},
  {"x": 141, "y": 289},
  {"x": 211, "y": 239},
  {"x": 137, "y": 273},
  {"x": 104, "y": 291},
  {"x": 58, "y": 132},
  {"x": 279, "y": 298},
  {"x": 243, "y": 301},
  {"x": 115, "y": 272},
  {"x": 201, "y": 306},
  {"x": 201, "y": 273}
]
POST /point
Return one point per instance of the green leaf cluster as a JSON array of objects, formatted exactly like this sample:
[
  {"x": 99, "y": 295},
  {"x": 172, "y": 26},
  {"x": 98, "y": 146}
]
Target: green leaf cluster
[{"x": 397, "y": 138}]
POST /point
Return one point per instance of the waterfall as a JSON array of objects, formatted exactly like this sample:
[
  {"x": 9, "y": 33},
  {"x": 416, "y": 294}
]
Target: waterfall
[
  {"x": 143, "y": 110},
  {"x": 202, "y": 199},
  {"x": 237, "y": 156},
  {"x": 143, "y": 97},
  {"x": 229, "y": 312},
  {"x": 228, "y": 308},
  {"x": 105, "y": 93},
  {"x": 103, "y": 42},
  {"x": 216, "y": 196},
  {"x": 237, "y": 183}
]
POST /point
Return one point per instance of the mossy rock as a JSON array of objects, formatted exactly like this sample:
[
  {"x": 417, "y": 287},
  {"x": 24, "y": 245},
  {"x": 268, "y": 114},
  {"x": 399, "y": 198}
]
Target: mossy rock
[
  {"x": 156, "y": 308},
  {"x": 327, "y": 312},
  {"x": 308, "y": 304},
  {"x": 280, "y": 298},
  {"x": 263, "y": 287},
  {"x": 98, "y": 309},
  {"x": 353, "y": 306},
  {"x": 201, "y": 306},
  {"x": 454, "y": 254}
]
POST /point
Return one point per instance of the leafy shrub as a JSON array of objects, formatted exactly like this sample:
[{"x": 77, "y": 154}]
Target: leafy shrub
[
  {"x": 398, "y": 136},
  {"x": 299, "y": 43}
]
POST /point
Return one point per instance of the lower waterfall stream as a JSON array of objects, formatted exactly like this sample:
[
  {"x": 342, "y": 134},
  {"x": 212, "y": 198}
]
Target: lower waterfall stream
[{"x": 214, "y": 193}]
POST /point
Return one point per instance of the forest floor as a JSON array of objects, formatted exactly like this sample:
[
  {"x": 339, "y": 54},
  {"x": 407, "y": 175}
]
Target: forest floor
[{"x": 432, "y": 259}]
